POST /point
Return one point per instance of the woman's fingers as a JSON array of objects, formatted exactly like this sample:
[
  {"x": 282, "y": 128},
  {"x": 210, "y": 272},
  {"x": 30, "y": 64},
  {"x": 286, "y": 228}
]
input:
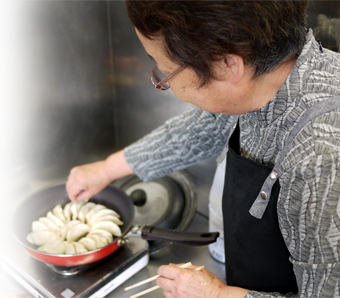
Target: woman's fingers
[
  {"x": 87, "y": 180},
  {"x": 188, "y": 282}
]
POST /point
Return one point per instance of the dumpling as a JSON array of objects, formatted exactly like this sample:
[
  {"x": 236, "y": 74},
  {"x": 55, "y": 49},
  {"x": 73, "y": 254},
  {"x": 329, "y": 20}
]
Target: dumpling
[
  {"x": 108, "y": 226},
  {"x": 88, "y": 243},
  {"x": 84, "y": 210},
  {"x": 106, "y": 218},
  {"x": 53, "y": 246},
  {"x": 67, "y": 211},
  {"x": 93, "y": 211},
  {"x": 75, "y": 208},
  {"x": 41, "y": 237},
  {"x": 58, "y": 212},
  {"x": 102, "y": 233},
  {"x": 69, "y": 248},
  {"x": 59, "y": 232},
  {"x": 49, "y": 224},
  {"x": 103, "y": 212},
  {"x": 68, "y": 227},
  {"x": 74, "y": 211},
  {"x": 77, "y": 232},
  {"x": 38, "y": 226},
  {"x": 79, "y": 247},
  {"x": 99, "y": 242},
  {"x": 55, "y": 219}
]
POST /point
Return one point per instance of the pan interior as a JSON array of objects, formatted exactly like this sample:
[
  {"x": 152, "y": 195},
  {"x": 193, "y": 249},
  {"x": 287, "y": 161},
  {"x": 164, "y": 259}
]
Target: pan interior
[{"x": 39, "y": 203}]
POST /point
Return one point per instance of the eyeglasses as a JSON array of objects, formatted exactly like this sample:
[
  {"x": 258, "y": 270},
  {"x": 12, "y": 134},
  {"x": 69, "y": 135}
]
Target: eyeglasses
[{"x": 163, "y": 84}]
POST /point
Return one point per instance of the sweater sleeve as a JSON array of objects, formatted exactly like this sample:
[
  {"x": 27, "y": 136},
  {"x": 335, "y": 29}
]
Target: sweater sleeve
[{"x": 179, "y": 143}]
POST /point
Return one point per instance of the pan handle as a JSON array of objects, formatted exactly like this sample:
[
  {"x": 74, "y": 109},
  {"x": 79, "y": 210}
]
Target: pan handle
[{"x": 188, "y": 238}]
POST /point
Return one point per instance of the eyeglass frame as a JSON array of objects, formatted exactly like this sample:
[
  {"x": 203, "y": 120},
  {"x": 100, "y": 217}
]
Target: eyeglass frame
[{"x": 160, "y": 85}]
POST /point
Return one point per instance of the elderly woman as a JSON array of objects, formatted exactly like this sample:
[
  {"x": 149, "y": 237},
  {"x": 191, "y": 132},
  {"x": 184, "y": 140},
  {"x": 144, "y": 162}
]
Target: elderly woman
[{"x": 267, "y": 99}]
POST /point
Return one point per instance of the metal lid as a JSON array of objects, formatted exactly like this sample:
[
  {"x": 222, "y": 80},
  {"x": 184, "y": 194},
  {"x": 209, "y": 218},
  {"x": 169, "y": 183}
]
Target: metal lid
[{"x": 169, "y": 202}]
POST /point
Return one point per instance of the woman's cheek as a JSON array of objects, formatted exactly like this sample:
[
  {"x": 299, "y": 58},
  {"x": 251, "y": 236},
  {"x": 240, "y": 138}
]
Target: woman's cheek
[{"x": 181, "y": 93}]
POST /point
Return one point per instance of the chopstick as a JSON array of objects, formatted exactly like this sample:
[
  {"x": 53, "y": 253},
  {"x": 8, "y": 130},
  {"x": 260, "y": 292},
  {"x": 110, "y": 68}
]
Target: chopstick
[
  {"x": 186, "y": 265},
  {"x": 153, "y": 278}
]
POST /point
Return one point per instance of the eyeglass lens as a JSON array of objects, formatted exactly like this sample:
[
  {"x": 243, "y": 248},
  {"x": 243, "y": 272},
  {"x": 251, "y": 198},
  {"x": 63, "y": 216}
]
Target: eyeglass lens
[{"x": 157, "y": 76}]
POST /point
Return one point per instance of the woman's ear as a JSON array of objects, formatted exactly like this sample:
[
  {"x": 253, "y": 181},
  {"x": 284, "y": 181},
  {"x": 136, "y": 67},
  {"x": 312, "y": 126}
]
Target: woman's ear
[{"x": 234, "y": 67}]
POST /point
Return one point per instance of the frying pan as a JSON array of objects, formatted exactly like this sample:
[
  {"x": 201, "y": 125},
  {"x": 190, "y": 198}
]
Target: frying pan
[{"x": 39, "y": 203}]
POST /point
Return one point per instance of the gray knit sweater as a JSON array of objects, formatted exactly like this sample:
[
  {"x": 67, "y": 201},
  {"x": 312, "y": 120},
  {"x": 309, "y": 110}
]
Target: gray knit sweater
[{"x": 309, "y": 200}]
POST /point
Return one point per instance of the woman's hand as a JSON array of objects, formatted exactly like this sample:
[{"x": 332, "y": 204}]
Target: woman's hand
[
  {"x": 87, "y": 180},
  {"x": 179, "y": 283}
]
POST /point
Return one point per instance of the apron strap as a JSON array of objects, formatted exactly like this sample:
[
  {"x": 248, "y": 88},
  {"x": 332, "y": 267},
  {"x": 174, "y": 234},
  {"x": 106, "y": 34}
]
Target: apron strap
[
  {"x": 260, "y": 204},
  {"x": 224, "y": 152}
]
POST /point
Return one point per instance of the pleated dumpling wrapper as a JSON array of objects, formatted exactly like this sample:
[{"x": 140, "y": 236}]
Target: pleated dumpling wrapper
[
  {"x": 70, "y": 225},
  {"x": 102, "y": 233},
  {"x": 80, "y": 248},
  {"x": 108, "y": 217},
  {"x": 113, "y": 216},
  {"x": 55, "y": 219},
  {"x": 50, "y": 224},
  {"x": 84, "y": 210},
  {"x": 54, "y": 246},
  {"x": 69, "y": 248},
  {"x": 108, "y": 226},
  {"x": 89, "y": 243},
  {"x": 75, "y": 207},
  {"x": 38, "y": 226},
  {"x": 93, "y": 211},
  {"x": 99, "y": 241},
  {"x": 77, "y": 232},
  {"x": 41, "y": 237},
  {"x": 58, "y": 212},
  {"x": 67, "y": 211}
]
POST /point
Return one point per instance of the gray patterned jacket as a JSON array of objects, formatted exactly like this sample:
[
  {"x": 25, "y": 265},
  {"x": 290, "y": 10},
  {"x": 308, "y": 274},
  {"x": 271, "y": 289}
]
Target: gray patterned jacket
[{"x": 309, "y": 200}]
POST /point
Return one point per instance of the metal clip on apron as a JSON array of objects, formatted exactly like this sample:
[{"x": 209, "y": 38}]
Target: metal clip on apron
[{"x": 256, "y": 255}]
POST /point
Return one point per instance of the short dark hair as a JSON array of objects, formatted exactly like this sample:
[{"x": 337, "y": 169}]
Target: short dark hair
[{"x": 197, "y": 33}]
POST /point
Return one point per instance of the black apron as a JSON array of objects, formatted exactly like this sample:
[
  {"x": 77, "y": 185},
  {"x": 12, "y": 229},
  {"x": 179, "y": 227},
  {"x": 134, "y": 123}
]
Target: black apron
[
  {"x": 255, "y": 253},
  {"x": 256, "y": 256}
]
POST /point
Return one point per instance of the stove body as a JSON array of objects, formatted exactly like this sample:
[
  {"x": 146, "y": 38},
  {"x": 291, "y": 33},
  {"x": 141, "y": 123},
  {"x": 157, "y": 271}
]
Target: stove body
[{"x": 94, "y": 280}]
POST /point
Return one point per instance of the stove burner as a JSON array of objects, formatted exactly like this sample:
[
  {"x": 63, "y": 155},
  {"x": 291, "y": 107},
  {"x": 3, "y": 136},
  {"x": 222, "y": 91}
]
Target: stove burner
[
  {"x": 73, "y": 270},
  {"x": 95, "y": 280},
  {"x": 68, "y": 271}
]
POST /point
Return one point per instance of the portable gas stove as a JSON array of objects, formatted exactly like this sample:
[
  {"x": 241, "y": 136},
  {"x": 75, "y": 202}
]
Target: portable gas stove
[{"x": 94, "y": 280}]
